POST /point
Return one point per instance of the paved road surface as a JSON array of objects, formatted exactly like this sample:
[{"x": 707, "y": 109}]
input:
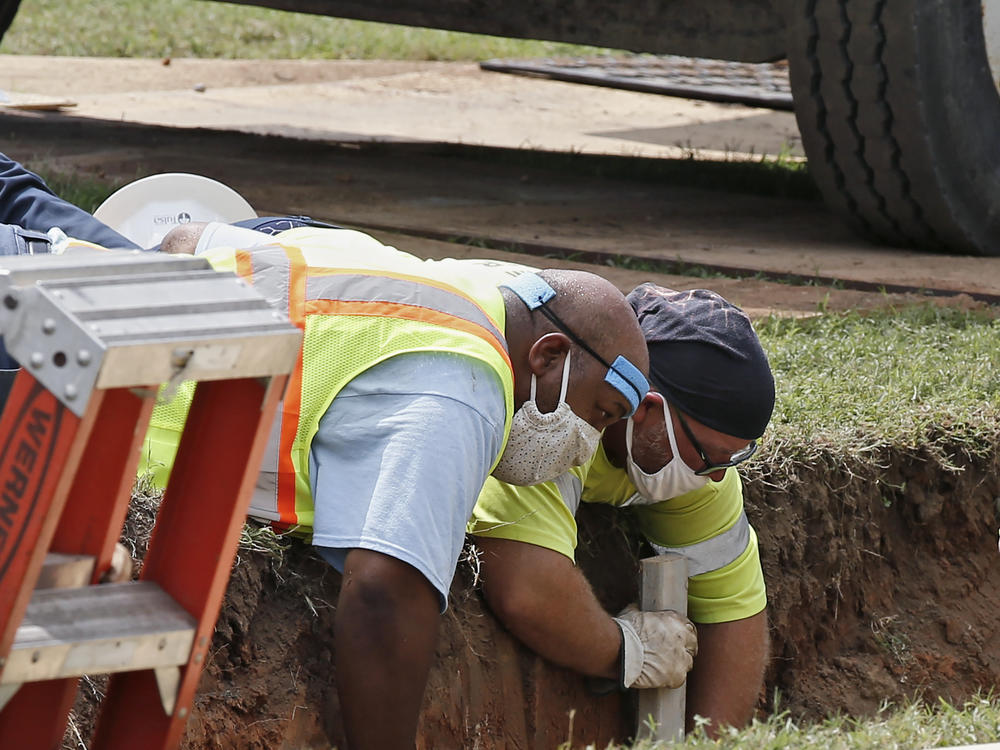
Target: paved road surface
[{"x": 370, "y": 158}]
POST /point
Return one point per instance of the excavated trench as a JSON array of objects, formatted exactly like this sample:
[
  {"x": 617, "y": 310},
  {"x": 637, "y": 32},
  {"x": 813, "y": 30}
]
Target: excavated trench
[{"x": 882, "y": 585}]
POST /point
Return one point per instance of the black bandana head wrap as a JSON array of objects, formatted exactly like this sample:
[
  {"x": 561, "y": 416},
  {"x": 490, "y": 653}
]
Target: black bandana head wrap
[{"x": 706, "y": 359}]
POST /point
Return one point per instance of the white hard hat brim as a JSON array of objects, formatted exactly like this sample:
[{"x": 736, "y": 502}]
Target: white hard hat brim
[{"x": 145, "y": 210}]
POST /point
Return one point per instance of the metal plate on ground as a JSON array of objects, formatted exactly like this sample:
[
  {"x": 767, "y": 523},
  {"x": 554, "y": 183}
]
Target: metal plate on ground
[
  {"x": 752, "y": 84},
  {"x": 36, "y": 102}
]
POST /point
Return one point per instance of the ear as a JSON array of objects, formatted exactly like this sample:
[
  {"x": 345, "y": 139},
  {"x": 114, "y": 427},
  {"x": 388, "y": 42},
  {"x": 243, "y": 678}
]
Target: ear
[
  {"x": 548, "y": 352},
  {"x": 650, "y": 406}
]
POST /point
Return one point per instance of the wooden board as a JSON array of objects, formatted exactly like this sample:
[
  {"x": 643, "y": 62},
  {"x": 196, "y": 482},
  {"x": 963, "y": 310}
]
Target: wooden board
[
  {"x": 36, "y": 102},
  {"x": 662, "y": 585}
]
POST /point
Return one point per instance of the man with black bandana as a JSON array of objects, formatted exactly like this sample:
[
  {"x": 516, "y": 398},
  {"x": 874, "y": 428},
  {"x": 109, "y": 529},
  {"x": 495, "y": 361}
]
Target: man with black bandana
[{"x": 672, "y": 465}]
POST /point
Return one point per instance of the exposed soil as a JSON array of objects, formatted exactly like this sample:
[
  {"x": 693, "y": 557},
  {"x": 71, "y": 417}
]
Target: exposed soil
[{"x": 880, "y": 587}]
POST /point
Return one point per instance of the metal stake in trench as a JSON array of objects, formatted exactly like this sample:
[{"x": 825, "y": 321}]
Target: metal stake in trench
[{"x": 663, "y": 582}]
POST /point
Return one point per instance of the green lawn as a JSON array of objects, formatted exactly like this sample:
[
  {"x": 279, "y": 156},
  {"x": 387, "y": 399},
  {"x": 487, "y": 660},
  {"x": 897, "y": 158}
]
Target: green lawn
[
  {"x": 203, "y": 28},
  {"x": 851, "y": 384},
  {"x": 920, "y": 376},
  {"x": 913, "y": 727}
]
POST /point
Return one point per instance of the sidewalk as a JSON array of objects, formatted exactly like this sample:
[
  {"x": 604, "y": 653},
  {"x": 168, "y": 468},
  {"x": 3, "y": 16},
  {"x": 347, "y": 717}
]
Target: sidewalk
[{"x": 376, "y": 100}]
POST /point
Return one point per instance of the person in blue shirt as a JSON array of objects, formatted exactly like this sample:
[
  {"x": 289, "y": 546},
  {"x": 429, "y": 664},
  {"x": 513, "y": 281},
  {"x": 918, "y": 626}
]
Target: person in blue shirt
[{"x": 28, "y": 209}]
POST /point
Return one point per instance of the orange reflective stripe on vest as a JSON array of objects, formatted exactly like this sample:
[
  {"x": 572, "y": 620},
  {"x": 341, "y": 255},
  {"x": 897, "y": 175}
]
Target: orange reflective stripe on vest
[
  {"x": 244, "y": 265},
  {"x": 283, "y": 276}
]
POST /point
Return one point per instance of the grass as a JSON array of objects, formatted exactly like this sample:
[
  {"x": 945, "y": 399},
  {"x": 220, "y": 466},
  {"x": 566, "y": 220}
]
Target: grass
[
  {"x": 923, "y": 378},
  {"x": 200, "y": 28},
  {"x": 86, "y": 192},
  {"x": 915, "y": 726},
  {"x": 916, "y": 378},
  {"x": 778, "y": 175}
]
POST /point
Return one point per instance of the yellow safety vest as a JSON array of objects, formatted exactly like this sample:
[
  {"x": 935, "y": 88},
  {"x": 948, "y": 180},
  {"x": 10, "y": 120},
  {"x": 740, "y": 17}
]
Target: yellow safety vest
[{"x": 358, "y": 302}]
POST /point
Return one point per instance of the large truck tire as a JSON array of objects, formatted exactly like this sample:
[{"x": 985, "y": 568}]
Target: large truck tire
[
  {"x": 899, "y": 113},
  {"x": 8, "y": 9}
]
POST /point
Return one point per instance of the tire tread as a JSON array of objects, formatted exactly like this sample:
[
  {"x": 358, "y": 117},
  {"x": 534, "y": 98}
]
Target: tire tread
[{"x": 848, "y": 124}]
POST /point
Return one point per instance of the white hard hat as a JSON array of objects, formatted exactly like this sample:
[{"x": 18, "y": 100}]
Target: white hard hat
[{"x": 145, "y": 210}]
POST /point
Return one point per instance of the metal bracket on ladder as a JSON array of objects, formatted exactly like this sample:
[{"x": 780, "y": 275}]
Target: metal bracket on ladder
[
  {"x": 97, "y": 333},
  {"x": 97, "y": 320}
]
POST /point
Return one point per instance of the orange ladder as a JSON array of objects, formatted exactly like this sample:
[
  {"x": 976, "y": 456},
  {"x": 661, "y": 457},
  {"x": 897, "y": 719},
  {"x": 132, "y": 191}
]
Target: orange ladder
[{"x": 97, "y": 333}]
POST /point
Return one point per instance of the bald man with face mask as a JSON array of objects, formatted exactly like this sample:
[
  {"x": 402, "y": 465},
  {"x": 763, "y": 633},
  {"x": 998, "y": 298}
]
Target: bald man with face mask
[
  {"x": 672, "y": 464},
  {"x": 417, "y": 380}
]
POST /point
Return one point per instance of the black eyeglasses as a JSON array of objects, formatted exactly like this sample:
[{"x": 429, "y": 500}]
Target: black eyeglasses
[{"x": 739, "y": 457}]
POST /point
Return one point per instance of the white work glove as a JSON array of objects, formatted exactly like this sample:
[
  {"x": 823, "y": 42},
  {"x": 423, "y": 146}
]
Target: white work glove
[
  {"x": 121, "y": 566},
  {"x": 658, "y": 648}
]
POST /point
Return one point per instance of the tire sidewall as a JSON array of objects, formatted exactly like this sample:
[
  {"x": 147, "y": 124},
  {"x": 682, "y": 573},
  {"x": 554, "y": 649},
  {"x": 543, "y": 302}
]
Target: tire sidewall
[
  {"x": 8, "y": 9},
  {"x": 961, "y": 114},
  {"x": 940, "y": 136}
]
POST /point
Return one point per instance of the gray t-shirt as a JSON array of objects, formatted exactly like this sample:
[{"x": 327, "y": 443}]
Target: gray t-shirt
[{"x": 400, "y": 458}]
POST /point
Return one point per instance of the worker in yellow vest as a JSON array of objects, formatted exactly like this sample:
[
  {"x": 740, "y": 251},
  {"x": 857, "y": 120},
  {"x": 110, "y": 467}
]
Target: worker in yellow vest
[
  {"x": 417, "y": 381},
  {"x": 672, "y": 466}
]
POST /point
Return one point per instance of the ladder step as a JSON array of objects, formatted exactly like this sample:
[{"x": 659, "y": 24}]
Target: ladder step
[
  {"x": 117, "y": 627},
  {"x": 61, "y": 571}
]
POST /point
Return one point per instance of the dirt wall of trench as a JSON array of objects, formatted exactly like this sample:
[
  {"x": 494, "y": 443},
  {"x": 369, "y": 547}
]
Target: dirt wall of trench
[{"x": 882, "y": 584}]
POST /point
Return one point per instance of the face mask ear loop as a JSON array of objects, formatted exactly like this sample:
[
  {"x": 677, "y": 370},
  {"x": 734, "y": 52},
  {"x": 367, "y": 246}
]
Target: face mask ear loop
[
  {"x": 670, "y": 432},
  {"x": 564, "y": 385},
  {"x": 629, "y": 425}
]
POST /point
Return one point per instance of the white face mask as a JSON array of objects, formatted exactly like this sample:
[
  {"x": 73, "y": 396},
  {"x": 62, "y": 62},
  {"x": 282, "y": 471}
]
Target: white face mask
[
  {"x": 543, "y": 446},
  {"x": 673, "y": 480}
]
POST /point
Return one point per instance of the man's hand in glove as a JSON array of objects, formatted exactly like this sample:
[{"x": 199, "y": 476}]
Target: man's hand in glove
[{"x": 658, "y": 648}]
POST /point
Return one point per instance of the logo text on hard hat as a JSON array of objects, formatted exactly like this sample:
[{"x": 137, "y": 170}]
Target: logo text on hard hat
[{"x": 171, "y": 219}]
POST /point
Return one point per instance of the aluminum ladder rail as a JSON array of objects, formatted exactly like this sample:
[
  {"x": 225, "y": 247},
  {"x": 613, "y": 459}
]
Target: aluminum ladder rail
[{"x": 97, "y": 333}]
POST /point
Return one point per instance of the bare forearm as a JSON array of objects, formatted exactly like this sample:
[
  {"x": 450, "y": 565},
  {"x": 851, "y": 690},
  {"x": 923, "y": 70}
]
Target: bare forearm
[
  {"x": 728, "y": 672},
  {"x": 592, "y": 646},
  {"x": 546, "y": 602}
]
